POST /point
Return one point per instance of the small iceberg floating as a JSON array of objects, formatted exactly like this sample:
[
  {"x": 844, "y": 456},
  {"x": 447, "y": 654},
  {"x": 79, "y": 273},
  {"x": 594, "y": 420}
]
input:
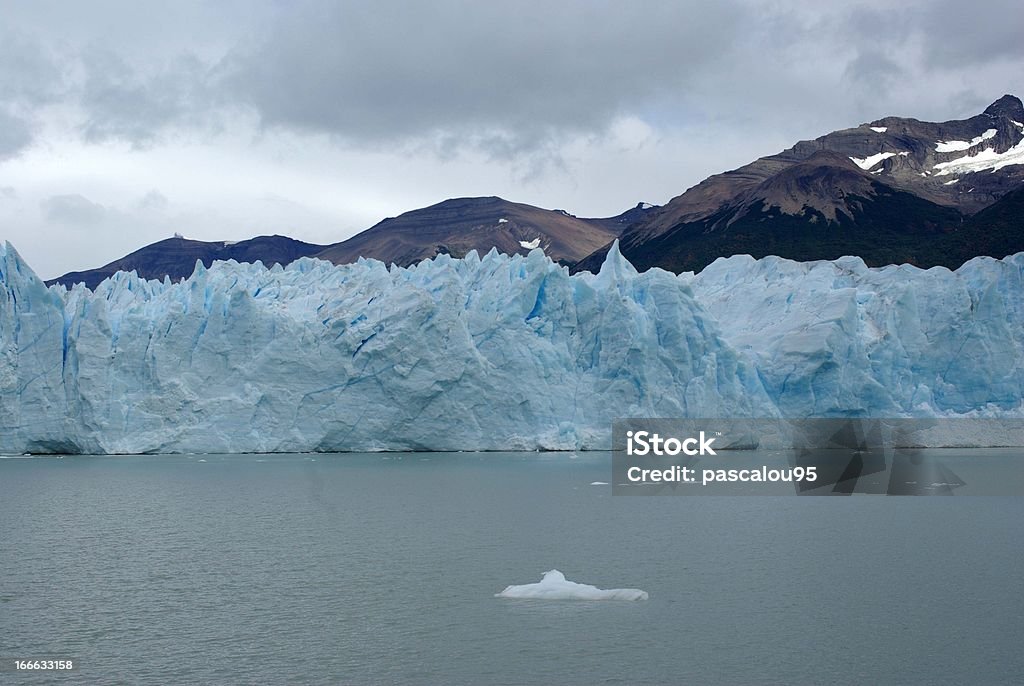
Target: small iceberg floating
[{"x": 554, "y": 586}]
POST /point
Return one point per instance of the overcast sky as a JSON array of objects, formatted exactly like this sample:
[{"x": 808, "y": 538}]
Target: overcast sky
[{"x": 122, "y": 123}]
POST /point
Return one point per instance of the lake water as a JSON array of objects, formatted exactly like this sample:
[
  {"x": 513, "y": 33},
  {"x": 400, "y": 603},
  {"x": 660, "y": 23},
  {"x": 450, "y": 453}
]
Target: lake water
[{"x": 370, "y": 569}]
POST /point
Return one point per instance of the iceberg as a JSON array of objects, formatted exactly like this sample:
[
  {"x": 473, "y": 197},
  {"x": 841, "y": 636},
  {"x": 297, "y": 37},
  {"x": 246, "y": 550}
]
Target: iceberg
[
  {"x": 492, "y": 353},
  {"x": 554, "y": 586}
]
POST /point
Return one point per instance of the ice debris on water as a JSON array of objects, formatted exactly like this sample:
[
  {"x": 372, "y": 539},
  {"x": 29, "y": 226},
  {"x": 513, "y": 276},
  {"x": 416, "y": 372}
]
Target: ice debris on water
[{"x": 554, "y": 586}]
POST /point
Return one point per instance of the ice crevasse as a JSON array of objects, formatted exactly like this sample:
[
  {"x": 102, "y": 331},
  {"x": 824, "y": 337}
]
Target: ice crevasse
[{"x": 491, "y": 353}]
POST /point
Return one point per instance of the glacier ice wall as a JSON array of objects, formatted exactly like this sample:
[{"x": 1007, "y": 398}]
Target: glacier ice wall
[
  {"x": 493, "y": 353},
  {"x": 836, "y": 338}
]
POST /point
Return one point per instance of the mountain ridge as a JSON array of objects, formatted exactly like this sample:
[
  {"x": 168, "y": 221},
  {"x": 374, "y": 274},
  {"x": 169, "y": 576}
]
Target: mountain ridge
[
  {"x": 453, "y": 226},
  {"x": 896, "y": 189},
  {"x": 944, "y": 172},
  {"x": 175, "y": 258},
  {"x": 458, "y": 225}
]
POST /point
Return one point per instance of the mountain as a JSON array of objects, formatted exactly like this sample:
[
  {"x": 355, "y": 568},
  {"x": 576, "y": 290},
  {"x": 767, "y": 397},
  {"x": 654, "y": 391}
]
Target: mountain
[
  {"x": 456, "y": 226},
  {"x": 621, "y": 222},
  {"x": 996, "y": 230},
  {"x": 176, "y": 258},
  {"x": 452, "y": 227},
  {"x": 891, "y": 190}
]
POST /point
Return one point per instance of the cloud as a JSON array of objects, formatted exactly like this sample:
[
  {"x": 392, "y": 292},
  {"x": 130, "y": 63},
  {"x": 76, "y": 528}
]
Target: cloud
[
  {"x": 30, "y": 74},
  {"x": 874, "y": 70},
  {"x": 73, "y": 209},
  {"x": 512, "y": 81},
  {"x": 121, "y": 102},
  {"x": 30, "y": 78},
  {"x": 500, "y": 78},
  {"x": 154, "y": 200},
  {"x": 15, "y": 135},
  {"x": 958, "y": 34}
]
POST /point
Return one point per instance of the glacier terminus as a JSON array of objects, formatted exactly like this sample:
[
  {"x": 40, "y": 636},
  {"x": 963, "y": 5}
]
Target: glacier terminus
[{"x": 492, "y": 352}]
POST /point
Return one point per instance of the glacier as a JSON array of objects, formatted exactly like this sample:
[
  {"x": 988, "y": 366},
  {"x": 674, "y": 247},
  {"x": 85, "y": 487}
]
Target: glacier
[
  {"x": 840, "y": 339},
  {"x": 492, "y": 353}
]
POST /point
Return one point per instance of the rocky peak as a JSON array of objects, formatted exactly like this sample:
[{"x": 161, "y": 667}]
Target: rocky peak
[{"x": 1008, "y": 106}]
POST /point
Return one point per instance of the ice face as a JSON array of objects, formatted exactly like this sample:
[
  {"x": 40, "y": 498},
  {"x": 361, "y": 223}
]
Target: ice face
[
  {"x": 554, "y": 586},
  {"x": 835, "y": 338},
  {"x": 484, "y": 353},
  {"x": 492, "y": 353}
]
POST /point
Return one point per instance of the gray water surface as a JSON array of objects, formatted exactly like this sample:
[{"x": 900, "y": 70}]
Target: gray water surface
[{"x": 383, "y": 569}]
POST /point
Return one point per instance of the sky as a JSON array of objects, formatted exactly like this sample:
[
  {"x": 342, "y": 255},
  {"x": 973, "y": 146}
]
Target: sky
[{"x": 123, "y": 123}]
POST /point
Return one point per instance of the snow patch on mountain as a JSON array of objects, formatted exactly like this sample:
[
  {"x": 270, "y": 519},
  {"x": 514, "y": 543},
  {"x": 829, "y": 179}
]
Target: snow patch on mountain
[
  {"x": 879, "y": 129},
  {"x": 987, "y": 159},
  {"x": 530, "y": 245},
  {"x": 957, "y": 146},
  {"x": 870, "y": 161}
]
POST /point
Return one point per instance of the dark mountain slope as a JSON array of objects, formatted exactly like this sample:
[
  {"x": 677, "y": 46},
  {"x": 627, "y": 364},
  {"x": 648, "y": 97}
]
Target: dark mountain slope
[
  {"x": 886, "y": 191},
  {"x": 176, "y": 258},
  {"x": 459, "y": 225}
]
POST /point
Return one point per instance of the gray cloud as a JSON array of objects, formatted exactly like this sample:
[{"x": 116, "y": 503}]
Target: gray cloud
[
  {"x": 72, "y": 209},
  {"x": 122, "y": 103},
  {"x": 30, "y": 73},
  {"x": 514, "y": 81},
  {"x": 15, "y": 135},
  {"x": 874, "y": 70},
  {"x": 958, "y": 34},
  {"x": 153, "y": 200},
  {"x": 502, "y": 77},
  {"x": 29, "y": 79}
]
